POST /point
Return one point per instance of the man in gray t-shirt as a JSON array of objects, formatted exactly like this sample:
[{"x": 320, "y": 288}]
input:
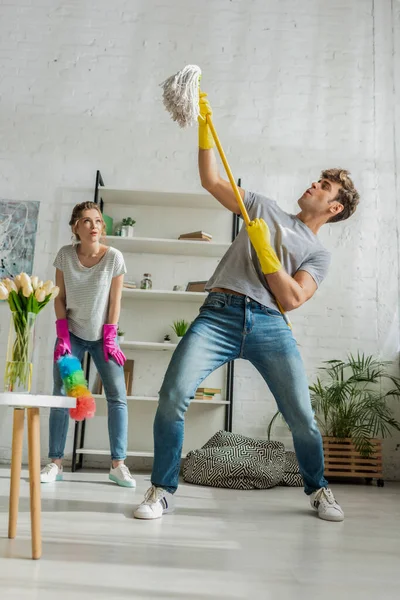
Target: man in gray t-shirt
[{"x": 274, "y": 265}]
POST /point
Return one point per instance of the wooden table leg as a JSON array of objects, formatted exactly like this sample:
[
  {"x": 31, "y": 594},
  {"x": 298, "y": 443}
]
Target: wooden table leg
[
  {"x": 16, "y": 462},
  {"x": 34, "y": 479}
]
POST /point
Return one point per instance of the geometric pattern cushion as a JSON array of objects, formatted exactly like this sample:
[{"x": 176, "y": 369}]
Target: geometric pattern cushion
[{"x": 231, "y": 460}]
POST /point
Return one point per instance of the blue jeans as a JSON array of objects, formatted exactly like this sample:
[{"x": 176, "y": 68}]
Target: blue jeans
[
  {"x": 230, "y": 327},
  {"x": 112, "y": 377}
]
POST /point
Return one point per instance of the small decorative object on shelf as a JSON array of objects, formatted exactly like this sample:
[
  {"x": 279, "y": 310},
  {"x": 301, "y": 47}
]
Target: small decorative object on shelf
[
  {"x": 167, "y": 339},
  {"x": 130, "y": 285},
  {"x": 207, "y": 393},
  {"x": 196, "y": 236},
  {"x": 26, "y": 296},
  {"x": 146, "y": 283},
  {"x": 177, "y": 288},
  {"x": 180, "y": 327},
  {"x": 120, "y": 335},
  {"x": 109, "y": 222},
  {"x": 196, "y": 286},
  {"x": 127, "y": 229}
]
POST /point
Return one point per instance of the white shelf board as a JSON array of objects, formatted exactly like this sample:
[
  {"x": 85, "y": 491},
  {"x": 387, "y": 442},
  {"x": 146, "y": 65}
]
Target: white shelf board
[
  {"x": 163, "y": 346},
  {"x": 155, "y": 399},
  {"x": 121, "y": 196},
  {"x": 167, "y": 246},
  {"x": 107, "y": 452},
  {"x": 164, "y": 295}
]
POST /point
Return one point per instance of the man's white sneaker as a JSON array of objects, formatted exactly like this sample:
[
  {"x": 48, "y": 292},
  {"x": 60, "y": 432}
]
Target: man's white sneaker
[
  {"x": 156, "y": 502},
  {"x": 323, "y": 501},
  {"x": 122, "y": 476},
  {"x": 50, "y": 473}
]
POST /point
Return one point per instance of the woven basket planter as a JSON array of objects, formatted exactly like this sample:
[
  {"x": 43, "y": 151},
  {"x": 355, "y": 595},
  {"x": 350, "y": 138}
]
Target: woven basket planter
[{"x": 343, "y": 460}]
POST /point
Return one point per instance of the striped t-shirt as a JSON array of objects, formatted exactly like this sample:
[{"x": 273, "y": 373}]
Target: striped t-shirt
[{"x": 88, "y": 290}]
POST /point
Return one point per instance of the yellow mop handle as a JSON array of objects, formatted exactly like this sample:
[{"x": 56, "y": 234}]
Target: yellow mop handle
[
  {"x": 228, "y": 171},
  {"x": 235, "y": 189}
]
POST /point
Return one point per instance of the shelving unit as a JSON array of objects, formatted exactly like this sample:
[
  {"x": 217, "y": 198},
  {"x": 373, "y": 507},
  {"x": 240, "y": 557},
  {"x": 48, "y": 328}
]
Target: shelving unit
[
  {"x": 203, "y": 415},
  {"x": 126, "y": 197},
  {"x": 164, "y": 295},
  {"x": 155, "y": 399},
  {"x": 167, "y": 246}
]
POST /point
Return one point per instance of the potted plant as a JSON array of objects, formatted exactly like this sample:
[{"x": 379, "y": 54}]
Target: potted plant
[
  {"x": 127, "y": 229},
  {"x": 27, "y": 296},
  {"x": 180, "y": 327},
  {"x": 352, "y": 411},
  {"x": 167, "y": 339},
  {"x": 120, "y": 335}
]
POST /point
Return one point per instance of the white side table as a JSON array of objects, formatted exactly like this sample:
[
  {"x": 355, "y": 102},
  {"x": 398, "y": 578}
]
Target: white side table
[{"x": 32, "y": 403}]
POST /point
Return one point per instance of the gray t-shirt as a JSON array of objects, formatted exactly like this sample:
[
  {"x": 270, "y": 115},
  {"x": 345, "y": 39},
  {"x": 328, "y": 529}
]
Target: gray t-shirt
[
  {"x": 88, "y": 290},
  {"x": 297, "y": 247}
]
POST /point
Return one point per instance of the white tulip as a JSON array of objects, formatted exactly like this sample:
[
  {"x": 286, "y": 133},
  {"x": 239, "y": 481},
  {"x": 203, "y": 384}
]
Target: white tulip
[
  {"x": 27, "y": 290},
  {"x": 40, "y": 294},
  {"x": 3, "y": 292},
  {"x": 7, "y": 284},
  {"x": 17, "y": 281},
  {"x": 40, "y": 284},
  {"x": 10, "y": 285},
  {"x": 48, "y": 286},
  {"x": 34, "y": 282},
  {"x": 25, "y": 280},
  {"x": 54, "y": 292}
]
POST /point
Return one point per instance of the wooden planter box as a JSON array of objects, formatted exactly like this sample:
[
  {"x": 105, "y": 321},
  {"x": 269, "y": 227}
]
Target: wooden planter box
[{"x": 343, "y": 460}]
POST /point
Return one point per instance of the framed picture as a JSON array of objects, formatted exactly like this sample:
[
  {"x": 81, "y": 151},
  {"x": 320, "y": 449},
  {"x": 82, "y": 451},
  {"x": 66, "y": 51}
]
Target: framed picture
[{"x": 196, "y": 286}]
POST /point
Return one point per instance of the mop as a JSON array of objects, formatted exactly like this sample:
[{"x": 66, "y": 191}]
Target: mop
[{"x": 181, "y": 99}]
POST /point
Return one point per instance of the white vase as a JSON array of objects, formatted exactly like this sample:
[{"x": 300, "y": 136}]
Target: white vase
[
  {"x": 127, "y": 231},
  {"x": 120, "y": 339}
]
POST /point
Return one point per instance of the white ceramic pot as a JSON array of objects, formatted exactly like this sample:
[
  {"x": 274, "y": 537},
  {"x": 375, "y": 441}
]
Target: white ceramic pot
[{"x": 120, "y": 339}]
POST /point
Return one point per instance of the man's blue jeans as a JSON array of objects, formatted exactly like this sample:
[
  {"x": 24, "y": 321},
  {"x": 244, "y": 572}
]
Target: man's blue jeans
[
  {"x": 112, "y": 377},
  {"x": 230, "y": 327}
]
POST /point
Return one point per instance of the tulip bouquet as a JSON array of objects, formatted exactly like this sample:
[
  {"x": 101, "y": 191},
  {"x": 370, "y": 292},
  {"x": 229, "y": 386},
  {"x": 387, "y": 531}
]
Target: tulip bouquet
[{"x": 26, "y": 296}]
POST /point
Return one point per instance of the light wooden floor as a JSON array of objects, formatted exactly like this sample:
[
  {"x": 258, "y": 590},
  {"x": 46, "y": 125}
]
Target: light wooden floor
[{"x": 219, "y": 544}]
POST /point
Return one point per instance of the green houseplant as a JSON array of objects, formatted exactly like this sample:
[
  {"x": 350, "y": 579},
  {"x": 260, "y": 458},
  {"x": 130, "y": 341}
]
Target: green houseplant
[
  {"x": 352, "y": 401},
  {"x": 180, "y": 327},
  {"x": 127, "y": 227}
]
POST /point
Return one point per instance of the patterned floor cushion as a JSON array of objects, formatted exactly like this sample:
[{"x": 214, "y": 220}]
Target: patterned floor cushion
[{"x": 231, "y": 460}]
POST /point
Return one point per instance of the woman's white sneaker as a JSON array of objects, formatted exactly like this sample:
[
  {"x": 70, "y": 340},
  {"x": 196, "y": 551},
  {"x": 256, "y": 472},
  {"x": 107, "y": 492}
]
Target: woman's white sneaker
[
  {"x": 122, "y": 476},
  {"x": 156, "y": 502},
  {"x": 50, "y": 473},
  {"x": 323, "y": 501}
]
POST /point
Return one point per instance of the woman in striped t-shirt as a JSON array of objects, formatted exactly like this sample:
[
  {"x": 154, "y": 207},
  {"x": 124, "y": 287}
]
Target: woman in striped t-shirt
[{"x": 90, "y": 277}]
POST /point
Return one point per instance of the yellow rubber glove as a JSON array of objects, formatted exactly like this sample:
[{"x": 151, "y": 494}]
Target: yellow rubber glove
[
  {"x": 206, "y": 140},
  {"x": 260, "y": 238}
]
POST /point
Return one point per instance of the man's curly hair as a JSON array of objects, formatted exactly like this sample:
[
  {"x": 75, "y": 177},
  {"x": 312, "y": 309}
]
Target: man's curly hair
[{"x": 347, "y": 194}]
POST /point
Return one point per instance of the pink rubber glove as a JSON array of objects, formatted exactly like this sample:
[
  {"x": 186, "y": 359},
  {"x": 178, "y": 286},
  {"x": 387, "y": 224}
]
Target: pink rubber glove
[
  {"x": 63, "y": 345},
  {"x": 110, "y": 346}
]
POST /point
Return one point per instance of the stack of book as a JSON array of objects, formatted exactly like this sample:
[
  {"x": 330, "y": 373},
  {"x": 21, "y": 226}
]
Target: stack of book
[
  {"x": 207, "y": 394},
  {"x": 198, "y": 236}
]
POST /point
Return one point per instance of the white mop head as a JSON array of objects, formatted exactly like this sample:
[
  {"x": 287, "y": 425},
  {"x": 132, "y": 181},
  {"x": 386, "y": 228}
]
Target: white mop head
[{"x": 181, "y": 95}]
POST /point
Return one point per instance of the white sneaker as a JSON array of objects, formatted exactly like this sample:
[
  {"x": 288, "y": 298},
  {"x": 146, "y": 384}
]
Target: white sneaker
[
  {"x": 51, "y": 473},
  {"x": 122, "y": 476},
  {"x": 156, "y": 502},
  {"x": 323, "y": 501}
]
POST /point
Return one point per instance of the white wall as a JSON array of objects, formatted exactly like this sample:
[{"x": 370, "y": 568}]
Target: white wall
[{"x": 295, "y": 87}]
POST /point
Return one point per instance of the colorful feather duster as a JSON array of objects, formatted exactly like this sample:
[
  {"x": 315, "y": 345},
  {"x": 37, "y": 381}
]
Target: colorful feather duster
[{"x": 75, "y": 386}]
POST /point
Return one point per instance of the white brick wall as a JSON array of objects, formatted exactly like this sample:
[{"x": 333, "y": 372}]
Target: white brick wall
[{"x": 295, "y": 87}]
